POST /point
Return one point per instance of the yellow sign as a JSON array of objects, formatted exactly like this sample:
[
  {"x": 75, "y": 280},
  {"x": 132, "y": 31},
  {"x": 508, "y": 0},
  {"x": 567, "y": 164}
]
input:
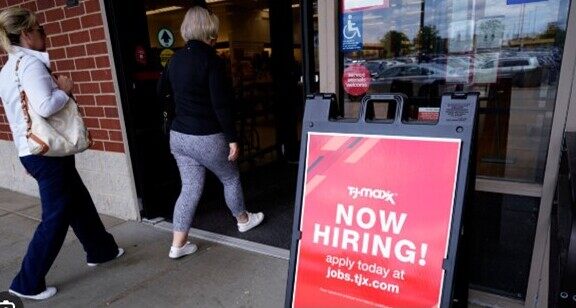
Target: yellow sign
[{"x": 165, "y": 55}]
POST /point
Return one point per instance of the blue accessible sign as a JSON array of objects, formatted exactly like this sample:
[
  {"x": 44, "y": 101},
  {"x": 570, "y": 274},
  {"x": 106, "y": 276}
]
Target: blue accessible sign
[{"x": 352, "y": 31}]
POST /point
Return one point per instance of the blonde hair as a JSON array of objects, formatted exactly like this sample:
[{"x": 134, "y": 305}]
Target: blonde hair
[
  {"x": 199, "y": 24},
  {"x": 14, "y": 21}
]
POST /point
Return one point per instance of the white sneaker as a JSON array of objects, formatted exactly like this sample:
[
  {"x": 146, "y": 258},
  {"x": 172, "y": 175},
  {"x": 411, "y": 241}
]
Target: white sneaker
[
  {"x": 254, "y": 219},
  {"x": 120, "y": 253},
  {"x": 186, "y": 249},
  {"x": 49, "y": 292}
]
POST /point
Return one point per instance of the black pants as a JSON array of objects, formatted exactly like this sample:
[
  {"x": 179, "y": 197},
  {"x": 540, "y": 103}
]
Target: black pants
[{"x": 65, "y": 202}]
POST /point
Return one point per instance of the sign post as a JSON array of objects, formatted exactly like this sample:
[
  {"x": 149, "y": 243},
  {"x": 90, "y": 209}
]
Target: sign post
[{"x": 380, "y": 206}]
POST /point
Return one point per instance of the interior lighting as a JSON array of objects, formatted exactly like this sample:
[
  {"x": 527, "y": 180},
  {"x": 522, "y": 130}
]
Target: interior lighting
[{"x": 163, "y": 10}]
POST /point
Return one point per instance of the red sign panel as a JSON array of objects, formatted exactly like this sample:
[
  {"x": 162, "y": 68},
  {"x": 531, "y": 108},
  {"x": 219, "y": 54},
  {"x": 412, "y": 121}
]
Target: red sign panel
[
  {"x": 375, "y": 221},
  {"x": 356, "y": 79}
]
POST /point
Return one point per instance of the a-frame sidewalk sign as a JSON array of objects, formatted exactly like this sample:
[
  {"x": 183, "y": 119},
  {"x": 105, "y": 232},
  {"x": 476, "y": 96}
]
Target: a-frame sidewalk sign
[{"x": 379, "y": 211}]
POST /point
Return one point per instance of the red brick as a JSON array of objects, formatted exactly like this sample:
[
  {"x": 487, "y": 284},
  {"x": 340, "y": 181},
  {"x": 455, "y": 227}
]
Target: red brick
[
  {"x": 106, "y": 100},
  {"x": 107, "y": 87},
  {"x": 3, "y": 3},
  {"x": 73, "y": 11},
  {"x": 91, "y": 122},
  {"x": 110, "y": 123},
  {"x": 52, "y": 15},
  {"x": 88, "y": 88},
  {"x": 99, "y": 134},
  {"x": 58, "y": 53},
  {"x": 102, "y": 62},
  {"x": 114, "y": 147},
  {"x": 115, "y": 135},
  {"x": 30, "y": 6},
  {"x": 101, "y": 75},
  {"x": 94, "y": 112},
  {"x": 85, "y": 100},
  {"x": 97, "y": 145},
  {"x": 69, "y": 25},
  {"x": 92, "y": 20},
  {"x": 64, "y": 65},
  {"x": 80, "y": 76},
  {"x": 4, "y": 128},
  {"x": 45, "y": 4},
  {"x": 40, "y": 18},
  {"x": 97, "y": 34},
  {"x": 97, "y": 48},
  {"x": 92, "y": 6},
  {"x": 14, "y": 2},
  {"x": 52, "y": 28},
  {"x": 60, "y": 40},
  {"x": 85, "y": 63},
  {"x": 80, "y": 37},
  {"x": 111, "y": 113},
  {"x": 5, "y": 136},
  {"x": 76, "y": 51}
]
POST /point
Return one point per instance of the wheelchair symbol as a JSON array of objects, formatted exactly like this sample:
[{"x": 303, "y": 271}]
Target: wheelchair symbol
[
  {"x": 351, "y": 30},
  {"x": 7, "y": 304}
]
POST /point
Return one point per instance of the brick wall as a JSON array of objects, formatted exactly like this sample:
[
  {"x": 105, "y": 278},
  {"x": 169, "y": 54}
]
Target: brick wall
[{"x": 77, "y": 46}]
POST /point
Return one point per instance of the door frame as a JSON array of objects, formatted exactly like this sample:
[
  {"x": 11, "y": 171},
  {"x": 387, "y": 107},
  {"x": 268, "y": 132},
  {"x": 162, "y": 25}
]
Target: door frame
[
  {"x": 537, "y": 290},
  {"x": 538, "y": 279}
]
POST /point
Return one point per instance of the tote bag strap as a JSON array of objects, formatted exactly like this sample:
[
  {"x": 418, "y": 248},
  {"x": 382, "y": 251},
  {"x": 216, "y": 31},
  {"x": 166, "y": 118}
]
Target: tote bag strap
[{"x": 27, "y": 119}]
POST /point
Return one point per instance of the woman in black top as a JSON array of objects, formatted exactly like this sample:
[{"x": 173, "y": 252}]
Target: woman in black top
[{"x": 202, "y": 134}]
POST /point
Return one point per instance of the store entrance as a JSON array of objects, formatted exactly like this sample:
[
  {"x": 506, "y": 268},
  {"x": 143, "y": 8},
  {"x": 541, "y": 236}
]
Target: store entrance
[{"x": 260, "y": 41}]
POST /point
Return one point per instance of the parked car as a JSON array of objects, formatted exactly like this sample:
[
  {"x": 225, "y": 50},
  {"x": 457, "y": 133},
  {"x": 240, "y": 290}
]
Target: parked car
[
  {"x": 411, "y": 78},
  {"x": 379, "y": 65},
  {"x": 375, "y": 66},
  {"x": 525, "y": 71}
]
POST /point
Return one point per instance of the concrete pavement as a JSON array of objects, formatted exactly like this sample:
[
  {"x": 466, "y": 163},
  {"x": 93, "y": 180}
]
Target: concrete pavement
[{"x": 215, "y": 276}]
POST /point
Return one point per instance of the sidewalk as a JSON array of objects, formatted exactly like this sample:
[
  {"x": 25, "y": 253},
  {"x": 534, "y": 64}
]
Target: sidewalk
[{"x": 215, "y": 276}]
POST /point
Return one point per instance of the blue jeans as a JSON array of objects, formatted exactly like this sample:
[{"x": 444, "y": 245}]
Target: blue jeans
[{"x": 65, "y": 202}]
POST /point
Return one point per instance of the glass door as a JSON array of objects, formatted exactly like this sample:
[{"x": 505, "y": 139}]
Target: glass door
[{"x": 508, "y": 51}]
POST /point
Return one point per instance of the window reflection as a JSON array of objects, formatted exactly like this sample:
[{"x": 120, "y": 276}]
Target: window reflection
[{"x": 509, "y": 53}]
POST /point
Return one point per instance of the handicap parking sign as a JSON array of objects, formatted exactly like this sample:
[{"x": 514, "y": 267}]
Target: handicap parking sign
[{"x": 351, "y": 32}]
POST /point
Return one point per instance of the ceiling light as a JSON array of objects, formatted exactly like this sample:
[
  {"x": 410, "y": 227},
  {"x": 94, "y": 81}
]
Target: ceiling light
[{"x": 163, "y": 10}]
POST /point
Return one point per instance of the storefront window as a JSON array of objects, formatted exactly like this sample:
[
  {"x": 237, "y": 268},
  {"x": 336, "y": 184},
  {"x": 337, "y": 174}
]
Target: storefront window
[{"x": 509, "y": 51}]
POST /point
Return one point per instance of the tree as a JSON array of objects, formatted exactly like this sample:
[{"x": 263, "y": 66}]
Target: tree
[
  {"x": 554, "y": 32},
  {"x": 395, "y": 44},
  {"x": 427, "y": 40}
]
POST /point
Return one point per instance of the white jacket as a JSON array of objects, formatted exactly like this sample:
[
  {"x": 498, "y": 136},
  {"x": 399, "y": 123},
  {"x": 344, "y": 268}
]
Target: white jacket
[{"x": 40, "y": 87}]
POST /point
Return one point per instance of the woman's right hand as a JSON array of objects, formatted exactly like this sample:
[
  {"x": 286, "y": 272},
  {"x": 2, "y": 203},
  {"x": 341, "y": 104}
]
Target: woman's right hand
[
  {"x": 65, "y": 83},
  {"x": 234, "y": 151}
]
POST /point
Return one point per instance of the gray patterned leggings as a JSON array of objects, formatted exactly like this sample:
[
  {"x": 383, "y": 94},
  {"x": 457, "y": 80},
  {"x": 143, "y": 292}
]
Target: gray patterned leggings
[{"x": 193, "y": 155}]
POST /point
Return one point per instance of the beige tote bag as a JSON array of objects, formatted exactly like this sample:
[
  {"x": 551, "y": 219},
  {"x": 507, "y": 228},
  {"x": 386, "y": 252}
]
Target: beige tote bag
[{"x": 61, "y": 134}]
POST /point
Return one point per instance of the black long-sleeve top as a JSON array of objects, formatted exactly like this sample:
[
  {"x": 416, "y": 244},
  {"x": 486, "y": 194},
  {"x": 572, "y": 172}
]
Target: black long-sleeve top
[{"x": 202, "y": 93}]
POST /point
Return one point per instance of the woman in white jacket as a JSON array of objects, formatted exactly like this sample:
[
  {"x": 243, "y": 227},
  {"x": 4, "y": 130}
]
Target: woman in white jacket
[{"x": 65, "y": 200}]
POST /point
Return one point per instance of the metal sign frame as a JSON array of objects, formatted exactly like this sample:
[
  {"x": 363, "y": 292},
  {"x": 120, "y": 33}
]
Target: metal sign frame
[{"x": 457, "y": 119}]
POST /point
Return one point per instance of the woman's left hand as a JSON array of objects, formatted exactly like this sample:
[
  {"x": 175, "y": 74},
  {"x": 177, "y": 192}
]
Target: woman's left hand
[{"x": 233, "y": 151}]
